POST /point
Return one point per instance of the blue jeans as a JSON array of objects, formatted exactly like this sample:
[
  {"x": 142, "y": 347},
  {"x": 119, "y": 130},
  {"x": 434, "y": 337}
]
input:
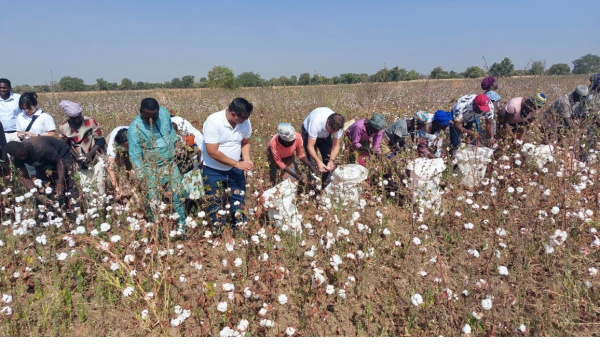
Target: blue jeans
[
  {"x": 218, "y": 183},
  {"x": 455, "y": 134}
]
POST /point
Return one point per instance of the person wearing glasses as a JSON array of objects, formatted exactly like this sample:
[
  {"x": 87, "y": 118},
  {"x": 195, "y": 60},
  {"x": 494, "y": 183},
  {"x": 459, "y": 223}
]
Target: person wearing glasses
[{"x": 225, "y": 159}]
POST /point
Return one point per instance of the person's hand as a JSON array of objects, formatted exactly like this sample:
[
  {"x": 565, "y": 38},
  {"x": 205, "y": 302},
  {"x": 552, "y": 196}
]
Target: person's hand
[
  {"x": 475, "y": 135},
  {"x": 46, "y": 201},
  {"x": 492, "y": 142},
  {"x": 88, "y": 159},
  {"x": 321, "y": 167},
  {"x": 29, "y": 134},
  {"x": 21, "y": 135},
  {"x": 118, "y": 191},
  {"x": 60, "y": 189},
  {"x": 244, "y": 165},
  {"x": 330, "y": 165}
]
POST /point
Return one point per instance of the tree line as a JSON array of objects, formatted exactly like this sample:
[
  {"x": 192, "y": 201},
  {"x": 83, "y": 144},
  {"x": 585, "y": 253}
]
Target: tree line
[{"x": 223, "y": 77}]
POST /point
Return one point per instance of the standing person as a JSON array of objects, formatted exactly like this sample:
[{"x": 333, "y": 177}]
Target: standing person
[
  {"x": 489, "y": 86},
  {"x": 118, "y": 156},
  {"x": 225, "y": 158},
  {"x": 9, "y": 110},
  {"x": 33, "y": 122},
  {"x": 151, "y": 140},
  {"x": 518, "y": 114},
  {"x": 47, "y": 153},
  {"x": 84, "y": 136},
  {"x": 464, "y": 113},
  {"x": 317, "y": 131},
  {"x": 361, "y": 132},
  {"x": 280, "y": 153}
]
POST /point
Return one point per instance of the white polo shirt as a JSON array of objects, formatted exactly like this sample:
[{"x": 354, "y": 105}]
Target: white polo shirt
[
  {"x": 316, "y": 124},
  {"x": 110, "y": 150},
  {"x": 9, "y": 110},
  {"x": 186, "y": 127},
  {"x": 42, "y": 124},
  {"x": 218, "y": 130}
]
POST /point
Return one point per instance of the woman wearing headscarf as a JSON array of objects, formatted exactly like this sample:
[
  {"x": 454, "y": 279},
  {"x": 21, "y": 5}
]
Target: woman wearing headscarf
[
  {"x": 281, "y": 152},
  {"x": 362, "y": 132}
]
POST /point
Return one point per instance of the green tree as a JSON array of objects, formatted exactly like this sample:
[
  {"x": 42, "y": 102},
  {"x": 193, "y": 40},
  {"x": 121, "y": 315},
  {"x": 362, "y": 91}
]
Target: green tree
[
  {"x": 187, "y": 81},
  {"x": 247, "y": 79},
  {"x": 221, "y": 77},
  {"x": 102, "y": 84},
  {"x": 586, "y": 64},
  {"x": 381, "y": 76},
  {"x": 71, "y": 84},
  {"x": 474, "y": 72},
  {"x": 537, "y": 68},
  {"x": 503, "y": 69},
  {"x": 412, "y": 75},
  {"x": 140, "y": 85},
  {"x": 176, "y": 83},
  {"x": 304, "y": 79},
  {"x": 439, "y": 73},
  {"x": 559, "y": 69},
  {"x": 293, "y": 80},
  {"x": 350, "y": 78},
  {"x": 126, "y": 84}
]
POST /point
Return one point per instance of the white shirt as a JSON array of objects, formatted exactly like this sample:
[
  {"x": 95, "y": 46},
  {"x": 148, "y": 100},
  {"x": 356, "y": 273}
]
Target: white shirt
[
  {"x": 186, "y": 127},
  {"x": 110, "y": 150},
  {"x": 42, "y": 124},
  {"x": 9, "y": 110},
  {"x": 316, "y": 124},
  {"x": 218, "y": 130}
]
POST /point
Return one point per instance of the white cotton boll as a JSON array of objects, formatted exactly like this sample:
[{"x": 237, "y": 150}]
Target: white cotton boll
[
  {"x": 503, "y": 270},
  {"x": 282, "y": 299},
  {"x": 416, "y": 299},
  {"x": 342, "y": 293},
  {"x": 144, "y": 314},
  {"x": 473, "y": 252},
  {"x": 7, "y": 310},
  {"x": 228, "y": 287},
  {"x": 593, "y": 271},
  {"x": 80, "y": 230},
  {"x": 222, "y": 306},
  {"x": 549, "y": 249},
  {"x": 183, "y": 279},
  {"x": 267, "y": 323},
  {"x": 61, "y": 256},
  {"x": 555, "y": 210},
  {"x": 469, "y": 226},
  {"x": 7, "y": 298},
  {"x": 128, "y": 291},
  {"x": 290, "y": 331},
  {"x": 423, "y": 273},
  {"x": 457, "y": 214},
  {"x": 466, "y": 329},
  {"x": 386, "y": 232},
  {"x": 243, "y": 325},
  {"x": 237, "y": 262},
  {"x": 416, "y": 241},
  {"x": 559, "y": 237},
  {"x": 330, "y": 289},
  {"x": 105, "y": 227},
  {"x": 523, "y": 328},
  {"x": 40, "y": 239},
  {"x": 115, "y": 238},
  {"x": 486, "y": 303}
]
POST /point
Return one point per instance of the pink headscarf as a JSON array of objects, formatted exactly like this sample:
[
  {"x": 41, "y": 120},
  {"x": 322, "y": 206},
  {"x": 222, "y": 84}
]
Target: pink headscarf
[{"x": 71, "y": 109}]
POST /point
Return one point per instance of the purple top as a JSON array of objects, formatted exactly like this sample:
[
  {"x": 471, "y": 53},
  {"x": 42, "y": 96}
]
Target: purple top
[{"x": 357, "y": 132}]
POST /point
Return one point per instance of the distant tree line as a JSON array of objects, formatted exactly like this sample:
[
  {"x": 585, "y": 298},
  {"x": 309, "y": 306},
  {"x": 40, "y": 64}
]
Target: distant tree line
[{"x": 223, "y": 77}]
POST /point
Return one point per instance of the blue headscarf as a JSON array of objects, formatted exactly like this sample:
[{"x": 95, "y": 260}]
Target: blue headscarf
[{"x": 442, "y": 117}]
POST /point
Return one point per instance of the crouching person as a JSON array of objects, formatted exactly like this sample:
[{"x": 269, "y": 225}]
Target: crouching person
[
  {"x": 361, "y": 133},
  {"x": 280, "y": 153},
  {"x": 54, "y": 168}
]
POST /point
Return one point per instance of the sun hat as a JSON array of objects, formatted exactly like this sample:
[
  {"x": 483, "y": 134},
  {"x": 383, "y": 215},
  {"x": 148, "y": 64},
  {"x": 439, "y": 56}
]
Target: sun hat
[
  {"x": 582, "y": 90},
  {"x": 487, "y": 82},
  {"x": 538, "y": 100},
  {"x": 421, "y": 117}
]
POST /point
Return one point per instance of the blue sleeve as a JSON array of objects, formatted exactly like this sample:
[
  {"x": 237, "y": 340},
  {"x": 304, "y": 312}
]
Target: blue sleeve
[{"x": 135, "y": 148}]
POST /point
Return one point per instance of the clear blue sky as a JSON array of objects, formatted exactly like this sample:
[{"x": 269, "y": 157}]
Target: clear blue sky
[{"x": 156, "y": 41}]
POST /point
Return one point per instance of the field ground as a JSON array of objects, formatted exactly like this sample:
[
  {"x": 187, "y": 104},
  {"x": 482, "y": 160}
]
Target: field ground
[{"x": 119, "y": 279}]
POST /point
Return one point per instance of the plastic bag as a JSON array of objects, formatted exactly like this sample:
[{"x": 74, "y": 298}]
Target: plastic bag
[
  {"x": 345, "y": 183},
  {"x": 472, "y": 163},
  {"x": 540, "y": 155},
  {"x": 280, "y": 201},
  {"x": 425, "y": 175}
]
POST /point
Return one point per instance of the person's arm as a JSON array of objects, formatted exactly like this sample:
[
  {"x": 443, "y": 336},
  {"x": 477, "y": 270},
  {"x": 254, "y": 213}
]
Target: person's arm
[
  {"x": 246, "y": 152},
  {"x": 60, "y": 170},
  {"x": 110, "y": 169},
  {"x": 213, "y": 151},
  {"x": 377, "y": 141},
  {"x": 310, "y": 146},
  {"x": 458, "y": 125},
  {"x": 490, "y": 130},
  {"x": 135, "y": 149},
  {"x": 335, "y": 150}
]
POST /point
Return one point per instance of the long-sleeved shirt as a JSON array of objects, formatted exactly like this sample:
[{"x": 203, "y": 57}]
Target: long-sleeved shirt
[
  {"x": 151, "y": 146},
  {"x": 357, "y": 132}
]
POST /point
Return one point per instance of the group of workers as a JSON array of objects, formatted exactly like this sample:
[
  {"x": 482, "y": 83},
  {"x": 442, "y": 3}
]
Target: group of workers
[{"x": 160, "y": 149}]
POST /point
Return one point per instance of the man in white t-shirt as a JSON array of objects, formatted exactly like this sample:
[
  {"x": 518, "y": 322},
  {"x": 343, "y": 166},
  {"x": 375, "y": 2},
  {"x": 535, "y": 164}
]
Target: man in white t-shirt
[
  {"x": 9, "y": 110},
  {"x": 225, "y": 158},
  {"x": 317, "y": 131}
]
